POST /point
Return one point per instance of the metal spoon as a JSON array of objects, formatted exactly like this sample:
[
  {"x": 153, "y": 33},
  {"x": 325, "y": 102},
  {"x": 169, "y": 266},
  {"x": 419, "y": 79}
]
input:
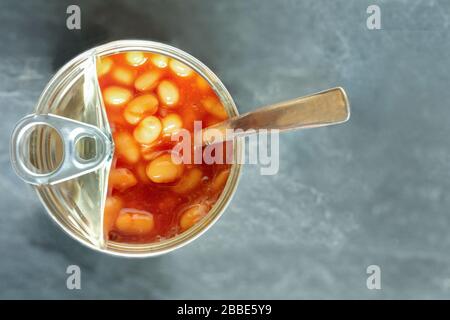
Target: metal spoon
[{"x": 317, "y": 110}]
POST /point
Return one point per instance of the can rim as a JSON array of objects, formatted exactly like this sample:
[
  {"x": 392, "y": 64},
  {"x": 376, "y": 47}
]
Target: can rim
[{"x": 156, "y": 248}]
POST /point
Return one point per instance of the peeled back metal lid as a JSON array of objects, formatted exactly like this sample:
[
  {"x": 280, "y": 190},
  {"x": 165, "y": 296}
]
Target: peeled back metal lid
[{"x": 65, "y": 149}]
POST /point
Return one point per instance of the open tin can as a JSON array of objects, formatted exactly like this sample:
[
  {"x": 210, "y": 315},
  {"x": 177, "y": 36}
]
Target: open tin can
[{"x": 65, "y": 149}]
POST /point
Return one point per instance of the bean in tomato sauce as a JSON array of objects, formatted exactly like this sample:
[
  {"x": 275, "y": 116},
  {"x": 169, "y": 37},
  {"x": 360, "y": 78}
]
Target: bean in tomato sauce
[{"x": 148, "y": 97}]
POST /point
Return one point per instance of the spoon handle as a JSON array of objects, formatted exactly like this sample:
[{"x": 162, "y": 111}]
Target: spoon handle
[{"x": 320, "y": 109}]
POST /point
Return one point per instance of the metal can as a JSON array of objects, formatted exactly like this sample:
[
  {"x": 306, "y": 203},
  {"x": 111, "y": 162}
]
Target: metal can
[{"x": 65, "y": 149}]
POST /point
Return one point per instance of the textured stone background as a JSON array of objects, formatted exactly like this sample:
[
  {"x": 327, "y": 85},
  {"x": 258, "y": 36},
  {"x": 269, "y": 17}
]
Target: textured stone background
[{"x": 373, "y": 191}]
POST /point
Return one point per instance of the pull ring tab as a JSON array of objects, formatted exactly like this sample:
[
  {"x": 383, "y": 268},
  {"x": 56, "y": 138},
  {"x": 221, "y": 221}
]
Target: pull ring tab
[{"x": 70, "y": 132}]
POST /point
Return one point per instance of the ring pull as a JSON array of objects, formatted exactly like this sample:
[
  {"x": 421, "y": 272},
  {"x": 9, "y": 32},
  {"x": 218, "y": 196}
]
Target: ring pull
[{"x": 71, "y": 132}]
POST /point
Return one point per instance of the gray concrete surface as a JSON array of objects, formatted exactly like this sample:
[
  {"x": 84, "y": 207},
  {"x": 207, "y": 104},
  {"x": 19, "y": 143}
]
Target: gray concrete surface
[{"x": 373, "y": 191}]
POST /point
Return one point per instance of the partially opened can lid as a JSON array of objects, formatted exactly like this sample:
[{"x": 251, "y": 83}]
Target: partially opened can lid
[{"x": 65, "y": 149}]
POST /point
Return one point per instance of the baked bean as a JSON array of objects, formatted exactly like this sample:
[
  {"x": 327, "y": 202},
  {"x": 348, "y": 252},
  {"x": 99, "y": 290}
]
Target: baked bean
[
  {"x": 168, "y": 93},
  {"x": 213, "y": 106},
  {"x": 189, "y": 181},
  {"x": 148, "y": 130},
  {"x": 134, "y": 222},
  {"x": 220, "y": 180},
  {"x": 135, "y": 58},
  {"x": 147, "y": 81},
  {"x": 191, "y": 216},
  {"x": 126, "y": 147},
  {"x": 160, "y": 60},
  {"x": 171, "y": 123},
  {"x": 202, "y": 83},
  {"x": 104, "y": 65},
  {"x": 146, "y": 104},
  {"x": 122, "y": 179},
  {"x": 179, "y": 68},
  {"x": 113, "y": 205},
  {"x": 124, "y": 76},
  {"x": 116, "y": 96},
  {"x": 164, "y": 170}
]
